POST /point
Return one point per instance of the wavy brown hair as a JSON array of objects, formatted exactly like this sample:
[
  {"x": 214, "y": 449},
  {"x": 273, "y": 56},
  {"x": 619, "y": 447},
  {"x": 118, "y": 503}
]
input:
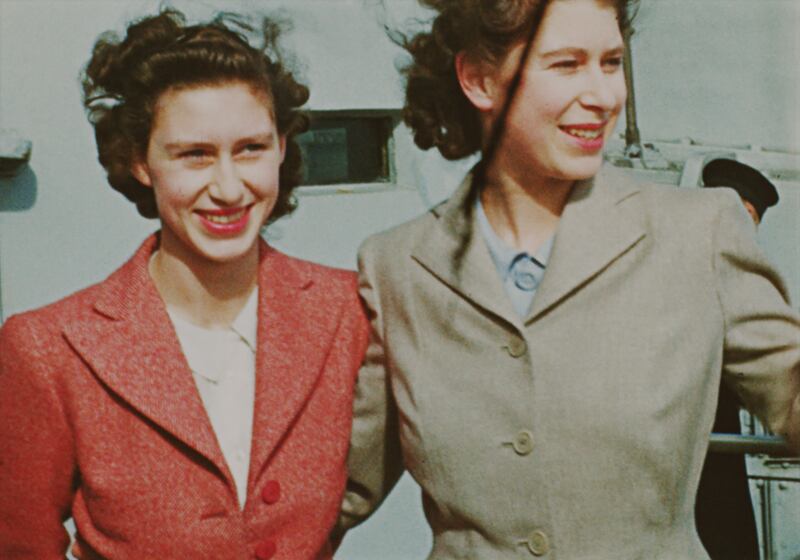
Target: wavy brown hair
[
  {"x": 436, "y": 109},
  {"x": 124, "y": 79}
]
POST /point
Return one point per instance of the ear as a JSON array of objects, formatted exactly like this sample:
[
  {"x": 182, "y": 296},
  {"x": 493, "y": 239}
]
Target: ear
[
  {"x": 282, "y": 145},
  {"x": 477, "y": 81},
  {"x": 141, "y": 173}
]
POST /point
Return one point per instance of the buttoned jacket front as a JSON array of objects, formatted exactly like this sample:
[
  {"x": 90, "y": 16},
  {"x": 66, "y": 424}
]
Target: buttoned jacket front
[
  {"x": 100, "y": 419},
  {"x": 578, "y": 431}
]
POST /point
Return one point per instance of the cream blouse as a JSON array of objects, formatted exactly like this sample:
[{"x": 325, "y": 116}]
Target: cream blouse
[{"x": 223, "y": 363}]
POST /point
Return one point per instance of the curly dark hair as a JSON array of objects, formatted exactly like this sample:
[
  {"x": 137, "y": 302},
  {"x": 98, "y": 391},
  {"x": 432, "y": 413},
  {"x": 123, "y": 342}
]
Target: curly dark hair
[
  {"x": 124, "y": 79},
  {"x": 436, "y": 109}
]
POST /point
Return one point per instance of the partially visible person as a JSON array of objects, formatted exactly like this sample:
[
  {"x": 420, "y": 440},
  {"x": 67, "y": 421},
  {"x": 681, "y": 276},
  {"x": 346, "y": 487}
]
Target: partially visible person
[
  {"x": 756, "y": 192},
  {"x": 548, "y": 344},
  {"x": 197, "y": 403},
  {"x": 724, "y": 510}
]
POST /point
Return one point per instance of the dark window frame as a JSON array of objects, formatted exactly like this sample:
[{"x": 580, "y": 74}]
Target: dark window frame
[{"x": 385, "y": 121}]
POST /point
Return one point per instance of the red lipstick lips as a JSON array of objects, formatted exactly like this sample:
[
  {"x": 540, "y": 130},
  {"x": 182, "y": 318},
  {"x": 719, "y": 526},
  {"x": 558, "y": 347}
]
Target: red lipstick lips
[
  {"x": 225, "y": 221},
  {"x": 587, "y": 136}
]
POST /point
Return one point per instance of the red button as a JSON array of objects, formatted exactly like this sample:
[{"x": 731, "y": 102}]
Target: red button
[
  {"x": 271, "y": 492},
  {"x": 266, "y": 550}
]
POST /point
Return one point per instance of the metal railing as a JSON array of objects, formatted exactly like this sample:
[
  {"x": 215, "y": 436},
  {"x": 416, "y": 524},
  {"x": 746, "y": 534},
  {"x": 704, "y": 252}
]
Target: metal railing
[{"x": 742, "y": 444}]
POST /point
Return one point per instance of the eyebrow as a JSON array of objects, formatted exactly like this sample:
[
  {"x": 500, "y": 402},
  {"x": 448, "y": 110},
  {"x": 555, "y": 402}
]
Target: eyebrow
[
  {"x": 620, "y": 49},
  {"x": 267, "y": 138}
]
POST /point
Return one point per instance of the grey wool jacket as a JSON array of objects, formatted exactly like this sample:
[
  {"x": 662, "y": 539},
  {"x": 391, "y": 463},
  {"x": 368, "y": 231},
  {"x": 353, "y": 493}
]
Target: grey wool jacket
[{"x": 578, "y": 431}]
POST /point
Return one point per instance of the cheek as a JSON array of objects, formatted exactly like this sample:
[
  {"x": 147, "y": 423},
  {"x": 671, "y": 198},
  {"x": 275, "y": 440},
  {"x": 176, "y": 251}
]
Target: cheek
[
  {"x": 273, "y": 165},
  {"x": 620, "y": 90},
  {"x": 536, "y": 99},
  {"x": 547, "y": 103},
  {"x": 264, "y": 177},
  {"x": 175, "y": 188}
]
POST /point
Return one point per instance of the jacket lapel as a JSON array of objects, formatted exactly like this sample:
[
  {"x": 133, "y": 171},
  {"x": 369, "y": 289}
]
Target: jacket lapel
[
  {"x": 454, "y": 251},
  {"x": 293, "y": 343},
  {"x": 131, "y": 346},
  {"x": 601, "y": 221}
]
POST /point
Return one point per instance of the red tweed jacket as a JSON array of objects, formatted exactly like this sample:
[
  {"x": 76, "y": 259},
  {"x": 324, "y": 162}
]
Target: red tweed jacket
[{"x": 100, "y": 419}]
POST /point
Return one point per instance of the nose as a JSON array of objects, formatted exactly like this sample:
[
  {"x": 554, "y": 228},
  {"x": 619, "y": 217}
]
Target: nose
[
  {"x": 604, "y": 91},
  {"x": 226, "y": 187}
]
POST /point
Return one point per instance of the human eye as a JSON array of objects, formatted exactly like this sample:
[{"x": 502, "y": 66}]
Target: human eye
[
  {"x": 565, "y": 64},
  {"x": 612, "y": 63},
  {"x": 193, "y": 154},
  {"x": 254, "y": 147},
  {"x": 250, "y": 151},
  {"x": 195, "y": 157}
]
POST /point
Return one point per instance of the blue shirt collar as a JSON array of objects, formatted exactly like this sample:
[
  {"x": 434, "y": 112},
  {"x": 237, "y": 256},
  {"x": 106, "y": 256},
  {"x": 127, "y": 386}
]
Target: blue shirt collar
[{"x": 503, "y": 254}]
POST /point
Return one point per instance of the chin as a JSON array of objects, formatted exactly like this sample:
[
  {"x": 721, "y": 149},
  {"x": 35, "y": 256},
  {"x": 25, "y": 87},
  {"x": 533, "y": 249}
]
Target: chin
[
  {"x": 583, "y": 168},
  {"x": 227, "y": 252}
]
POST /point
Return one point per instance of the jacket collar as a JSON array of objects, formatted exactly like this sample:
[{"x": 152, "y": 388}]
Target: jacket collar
[
  {"x": 131, "y": 346},
  {"x": 601, "y": 221}
]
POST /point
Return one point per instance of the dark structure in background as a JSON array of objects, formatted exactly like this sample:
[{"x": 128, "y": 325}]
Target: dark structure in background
[
  {"x": 724, "y": 511},
  {"x": 756, "y": 191}
]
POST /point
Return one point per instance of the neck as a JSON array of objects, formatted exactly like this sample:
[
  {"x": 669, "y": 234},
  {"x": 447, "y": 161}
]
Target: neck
[
  {"x": 524, "y": 214},
  {"x": 207, "y": 293}
]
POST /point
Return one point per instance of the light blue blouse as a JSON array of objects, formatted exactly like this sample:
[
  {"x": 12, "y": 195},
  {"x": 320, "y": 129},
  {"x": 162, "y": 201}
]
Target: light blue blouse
[{"x": 520, "y": 272}]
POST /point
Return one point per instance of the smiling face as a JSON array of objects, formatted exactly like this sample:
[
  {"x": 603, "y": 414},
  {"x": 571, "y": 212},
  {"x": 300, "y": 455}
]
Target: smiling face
[
  {"x": 213, "y": 160},
  {"x": 570, "y": 94}
]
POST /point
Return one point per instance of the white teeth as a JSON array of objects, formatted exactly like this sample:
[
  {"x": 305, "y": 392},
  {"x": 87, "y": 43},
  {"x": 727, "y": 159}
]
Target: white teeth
[
  {"x": 227, "y": 219},
  {"x": 581, "y": 133}
]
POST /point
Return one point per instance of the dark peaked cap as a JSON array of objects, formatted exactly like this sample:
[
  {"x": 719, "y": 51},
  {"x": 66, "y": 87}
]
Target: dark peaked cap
[{"x": 745, "y": 180}]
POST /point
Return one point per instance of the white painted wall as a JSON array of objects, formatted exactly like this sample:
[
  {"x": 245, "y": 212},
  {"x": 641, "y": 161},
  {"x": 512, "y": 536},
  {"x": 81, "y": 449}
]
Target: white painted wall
[{"x": 721, "y": 72}]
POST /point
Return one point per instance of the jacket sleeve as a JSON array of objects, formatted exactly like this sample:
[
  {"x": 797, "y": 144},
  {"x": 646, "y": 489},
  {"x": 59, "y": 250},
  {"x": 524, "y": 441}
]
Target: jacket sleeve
[
  {"x": 375, "y": 460},
  {"x": 761, "y": 358},
  {"x": 37, "y": 463}
]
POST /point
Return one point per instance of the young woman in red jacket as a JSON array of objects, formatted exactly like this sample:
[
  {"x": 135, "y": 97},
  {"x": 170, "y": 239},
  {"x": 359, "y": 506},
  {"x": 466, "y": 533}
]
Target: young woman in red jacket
[{"x": 196, "y": 404}]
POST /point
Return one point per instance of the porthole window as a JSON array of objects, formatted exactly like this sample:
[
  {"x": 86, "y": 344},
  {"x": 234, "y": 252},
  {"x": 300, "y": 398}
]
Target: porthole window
[{"x": 348, "y": 148}]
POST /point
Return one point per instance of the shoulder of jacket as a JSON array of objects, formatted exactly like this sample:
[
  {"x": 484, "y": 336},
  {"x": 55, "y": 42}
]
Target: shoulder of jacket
[
  {"x": 685, "y": 204},
  {"x": 53, "y": 315},
  {"x": 399, "y": 238},
  {"x": 329, "y": 284},
  {"x": 320, "y": 271},
  {"x": 36, "y": 336}
]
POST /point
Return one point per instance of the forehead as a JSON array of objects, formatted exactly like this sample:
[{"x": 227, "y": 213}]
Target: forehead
[
  {"x": 579, "y": 24},
  {"x": 212, "y": 106},
  {"x": 194, "y": 94}
]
